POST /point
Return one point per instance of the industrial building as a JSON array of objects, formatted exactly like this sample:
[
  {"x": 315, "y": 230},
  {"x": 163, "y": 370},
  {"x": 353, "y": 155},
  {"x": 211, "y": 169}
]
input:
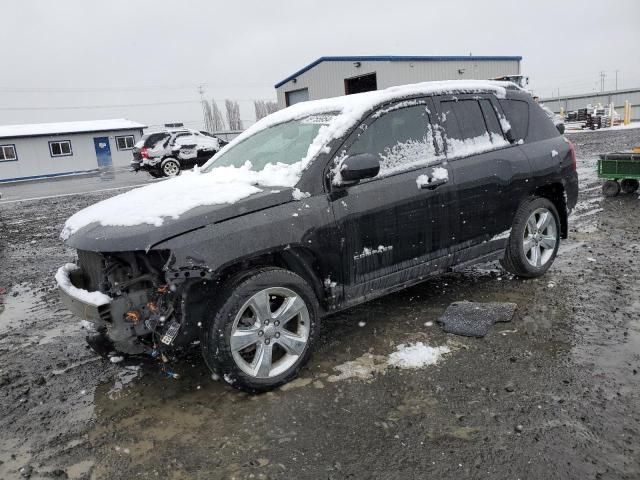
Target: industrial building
[
  {"x": 43, "y": 150},
  {"x": 335, "y": 76}
]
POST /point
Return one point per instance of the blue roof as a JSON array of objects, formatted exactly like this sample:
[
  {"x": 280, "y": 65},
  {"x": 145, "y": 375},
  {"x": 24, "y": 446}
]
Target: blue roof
[{"x": 397, "y": 58}]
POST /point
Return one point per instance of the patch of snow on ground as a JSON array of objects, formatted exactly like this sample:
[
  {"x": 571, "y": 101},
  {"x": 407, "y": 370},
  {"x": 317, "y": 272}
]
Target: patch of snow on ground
[
  {"x": 64, "y": 282},
  {"x": 416, "y": 355},
  {"x": 409, "y": 356}
]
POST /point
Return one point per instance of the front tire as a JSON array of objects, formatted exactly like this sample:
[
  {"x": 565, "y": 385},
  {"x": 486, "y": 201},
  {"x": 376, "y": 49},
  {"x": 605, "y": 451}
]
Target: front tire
[
  {"x": 262, "y": 330},
  {"x": 534, "y": 239}
]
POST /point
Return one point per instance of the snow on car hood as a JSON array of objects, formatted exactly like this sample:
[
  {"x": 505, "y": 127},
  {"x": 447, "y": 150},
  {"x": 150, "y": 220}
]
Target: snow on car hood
[{"x": 172, "y": 198}]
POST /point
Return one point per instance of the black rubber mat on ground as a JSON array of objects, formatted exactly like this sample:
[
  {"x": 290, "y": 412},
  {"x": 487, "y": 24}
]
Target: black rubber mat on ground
[{"x": 473, "y": 319}]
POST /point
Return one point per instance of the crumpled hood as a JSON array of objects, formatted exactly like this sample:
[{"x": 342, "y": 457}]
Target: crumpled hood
[{"x": 119, "y": 238}]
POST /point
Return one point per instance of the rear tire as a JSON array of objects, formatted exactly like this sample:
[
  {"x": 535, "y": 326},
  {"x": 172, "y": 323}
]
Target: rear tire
[
  {"x": 534, "y": 239},
  {"x": 610, "y": 188},
  {"x": 262, "y": 329},
  {"x": 629, "y": 185},
  {"x": 170, "y": 167}
]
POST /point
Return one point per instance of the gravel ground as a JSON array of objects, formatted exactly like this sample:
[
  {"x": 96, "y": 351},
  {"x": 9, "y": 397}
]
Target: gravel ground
[{"x": 555, "y": 393}]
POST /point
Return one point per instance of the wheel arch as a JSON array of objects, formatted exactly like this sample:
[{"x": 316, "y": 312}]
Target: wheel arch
[
  {"x": 202, "y": 295},
  {"x": 555, "y": 193}
]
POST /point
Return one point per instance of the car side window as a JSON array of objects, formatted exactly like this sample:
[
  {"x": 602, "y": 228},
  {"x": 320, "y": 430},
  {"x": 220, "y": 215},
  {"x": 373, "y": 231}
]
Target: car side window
[
  {"x": 402, "y": 139},
  {"x": 467, "y": 128},
  {"x": 517, "y": 112},
  {"x": 491, "y": 118}
]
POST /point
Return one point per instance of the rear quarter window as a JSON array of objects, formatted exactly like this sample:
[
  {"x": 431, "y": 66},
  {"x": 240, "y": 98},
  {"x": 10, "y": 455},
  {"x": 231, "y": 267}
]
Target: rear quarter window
[
  {"x": 541, "y": 126},
  {"x": 154, "y": 138},
  {"x": 517, "y": 113}
]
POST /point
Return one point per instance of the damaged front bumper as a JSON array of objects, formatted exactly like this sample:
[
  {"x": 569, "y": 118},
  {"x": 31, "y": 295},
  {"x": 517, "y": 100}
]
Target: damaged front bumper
[
  {"x": 91, "y": 306},
  {"x": 105, "y": 313}
]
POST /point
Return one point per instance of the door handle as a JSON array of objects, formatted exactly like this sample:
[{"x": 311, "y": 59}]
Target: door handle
[{"x": 434, "y": 184}]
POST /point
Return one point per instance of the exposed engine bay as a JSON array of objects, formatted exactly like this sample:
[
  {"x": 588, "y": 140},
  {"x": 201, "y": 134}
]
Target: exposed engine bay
[{"x": 145, "y": 315}]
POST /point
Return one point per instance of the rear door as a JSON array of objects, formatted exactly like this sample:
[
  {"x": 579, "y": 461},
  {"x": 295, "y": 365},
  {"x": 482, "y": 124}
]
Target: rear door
[
  {"x": 394, "y": 231},
  {"x": 489, "y": 171}
]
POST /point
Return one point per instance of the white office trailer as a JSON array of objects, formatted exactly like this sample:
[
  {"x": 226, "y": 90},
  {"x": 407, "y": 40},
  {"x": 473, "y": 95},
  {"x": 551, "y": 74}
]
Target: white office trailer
[
  {"x": 43, "y": 150},
  {"x": 335, "y": 76}
]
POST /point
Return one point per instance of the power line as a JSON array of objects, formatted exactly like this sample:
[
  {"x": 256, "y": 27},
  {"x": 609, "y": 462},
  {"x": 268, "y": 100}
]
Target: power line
[
  {"x": 123, "y": 105},
  {"x": 11, "y": 89}
]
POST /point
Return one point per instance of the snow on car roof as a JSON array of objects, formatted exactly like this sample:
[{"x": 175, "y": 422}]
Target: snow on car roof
[
  {"x": 39, "y": 129},
  {"x": 349, "y": 109}
]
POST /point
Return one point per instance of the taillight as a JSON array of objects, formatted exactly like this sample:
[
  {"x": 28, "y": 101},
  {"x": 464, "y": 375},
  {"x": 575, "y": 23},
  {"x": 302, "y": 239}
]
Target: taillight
[
  {"x": 143, "y": 152},
  {"x": 574, "y": 164}
]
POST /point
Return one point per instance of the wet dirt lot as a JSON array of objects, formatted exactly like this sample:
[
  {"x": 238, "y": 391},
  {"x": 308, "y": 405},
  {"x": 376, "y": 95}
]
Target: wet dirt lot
[{"x": 553, "y": 394}]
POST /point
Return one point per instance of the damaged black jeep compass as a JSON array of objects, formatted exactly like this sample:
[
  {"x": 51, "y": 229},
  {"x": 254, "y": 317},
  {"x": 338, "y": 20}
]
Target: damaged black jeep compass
[{"x": 314, "y": 209}]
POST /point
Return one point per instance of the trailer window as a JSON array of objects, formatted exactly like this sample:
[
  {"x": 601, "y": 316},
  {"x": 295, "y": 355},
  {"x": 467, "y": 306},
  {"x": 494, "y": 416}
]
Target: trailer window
[{"x": 8, "y": 153}]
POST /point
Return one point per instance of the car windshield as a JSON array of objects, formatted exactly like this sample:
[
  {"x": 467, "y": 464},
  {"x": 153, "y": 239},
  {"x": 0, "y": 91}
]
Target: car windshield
[{"x": 286, "y": 143}]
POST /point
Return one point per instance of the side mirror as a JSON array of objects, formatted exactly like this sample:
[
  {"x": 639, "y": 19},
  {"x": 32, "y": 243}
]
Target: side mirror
[
  {"x": 358, "y": 167},
  {"x": 560, "y": 127}
]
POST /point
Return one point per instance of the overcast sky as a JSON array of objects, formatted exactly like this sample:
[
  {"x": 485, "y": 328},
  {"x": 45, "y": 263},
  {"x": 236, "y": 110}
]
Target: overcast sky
[{"x": 144, "y": 59}]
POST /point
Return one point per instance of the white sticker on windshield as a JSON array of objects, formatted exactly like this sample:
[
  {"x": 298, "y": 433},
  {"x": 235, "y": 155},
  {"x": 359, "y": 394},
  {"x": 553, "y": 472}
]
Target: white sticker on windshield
[{"x": 318, "y": 119}]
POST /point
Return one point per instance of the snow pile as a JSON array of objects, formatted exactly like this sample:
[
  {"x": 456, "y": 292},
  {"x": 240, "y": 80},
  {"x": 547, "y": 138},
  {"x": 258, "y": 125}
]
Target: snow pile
[
  {"x": 416, "y": 355},
  {"x": 64, "y": 283},
  {"x": 171, "y": 198},
  {"x": 297, "y": 194},
  {"x": 409, "y": 356}
]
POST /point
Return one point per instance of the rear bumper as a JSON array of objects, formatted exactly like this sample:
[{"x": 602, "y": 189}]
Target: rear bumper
[{"x": 91, "y": 306}]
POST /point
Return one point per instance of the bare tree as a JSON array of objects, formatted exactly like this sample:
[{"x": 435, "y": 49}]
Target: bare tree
[
  {"x": 217, "y": 119},
  {"x": 208, "y": 116},
  {"x": 233, "y": 115},
  {"x": 264, "y": 108},
  {"x": 271, "y": 107},
  {"x": 260, "y": 108}
]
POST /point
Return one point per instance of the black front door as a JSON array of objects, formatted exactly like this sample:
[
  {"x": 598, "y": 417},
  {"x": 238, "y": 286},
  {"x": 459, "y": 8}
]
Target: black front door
[{"x": 394, "y": 227}]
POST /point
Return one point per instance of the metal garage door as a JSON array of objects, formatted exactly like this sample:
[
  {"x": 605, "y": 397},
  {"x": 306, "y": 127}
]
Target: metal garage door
[{"x": 297, "y": 96}]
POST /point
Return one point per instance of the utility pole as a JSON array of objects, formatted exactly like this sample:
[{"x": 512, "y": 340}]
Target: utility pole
[
  {"x": 617, "y": 80},
  {"x": 602, "y": 75}
]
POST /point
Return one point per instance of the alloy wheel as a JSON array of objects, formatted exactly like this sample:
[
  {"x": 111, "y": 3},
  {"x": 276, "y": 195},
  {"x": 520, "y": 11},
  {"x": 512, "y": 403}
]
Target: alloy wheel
[
  {"x": 540, "y": 237},
  {"x": 270, "y": 332}
]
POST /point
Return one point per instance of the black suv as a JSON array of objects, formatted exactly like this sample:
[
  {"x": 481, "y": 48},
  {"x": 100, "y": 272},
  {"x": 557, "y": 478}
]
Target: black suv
[
  {"x": 166, "y": 153},
  {"x": 319, "y": 207}
]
